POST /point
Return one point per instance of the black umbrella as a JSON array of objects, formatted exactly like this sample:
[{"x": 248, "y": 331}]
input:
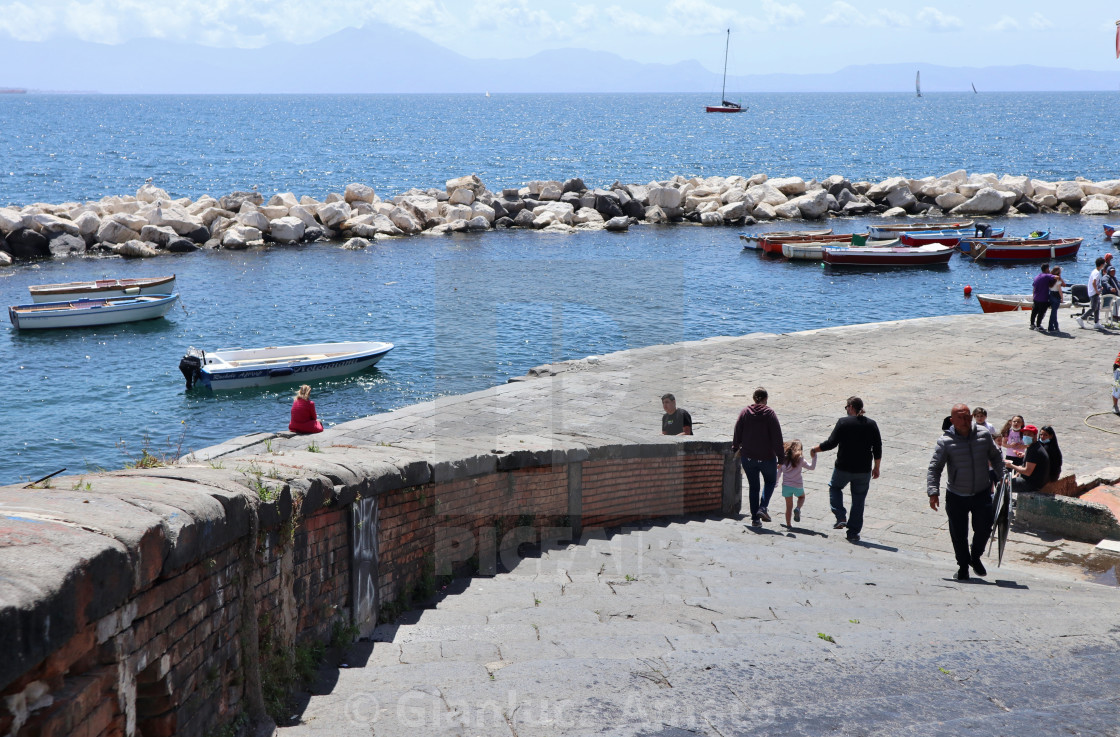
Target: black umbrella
[{"x": 1002, "y": 506}]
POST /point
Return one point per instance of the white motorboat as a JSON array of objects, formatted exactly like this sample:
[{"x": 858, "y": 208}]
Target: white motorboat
[
  {"x": 241, "y": 368},
  {"x": 84, "y": 313},
  {"x": 102, "y": 288}
]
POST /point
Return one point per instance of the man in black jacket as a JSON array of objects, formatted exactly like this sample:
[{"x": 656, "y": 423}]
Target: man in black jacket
[
  {"x": 969, "y": 451},
  {"x": 860, "y": 446}
]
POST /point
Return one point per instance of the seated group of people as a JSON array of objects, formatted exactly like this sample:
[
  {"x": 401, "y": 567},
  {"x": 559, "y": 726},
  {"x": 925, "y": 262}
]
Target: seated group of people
[{"x": 1031, "y": 452}]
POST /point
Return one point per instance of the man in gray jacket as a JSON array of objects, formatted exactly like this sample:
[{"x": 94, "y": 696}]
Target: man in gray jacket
[{"x": 968, "y": 449}]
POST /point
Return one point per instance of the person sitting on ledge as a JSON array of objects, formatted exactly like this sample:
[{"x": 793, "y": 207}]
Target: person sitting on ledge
[
  {"x": 303, "y": 413},
  {"x": 1035, "y": 471}
]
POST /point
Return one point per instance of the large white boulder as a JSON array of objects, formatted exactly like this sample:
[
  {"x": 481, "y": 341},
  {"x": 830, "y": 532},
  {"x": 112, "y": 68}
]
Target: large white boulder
[
  {"x": 87, "y": 223},
  {"x": 354, "y": 244},
  {"x": 812, "y": 205},
  {"x": 478, "y": 223},
  {"x": 404, "y": 220},
  {"x": 273, "y": 212},
  {"x": 765, "y": 193},
  {"x": 1095, "y": 206},
  {"x": 283, "y": 199},
  {"x": 452, "y": 213},
  {"x": 984, "y": 180},
  {"x": 563, "y": 211},
  {"x": 969, "y": 189},
  {"x": 1109, "y": 187},
  {"x": 703, "y": 203},
  {"x": 305, "y": 216},
  {"x": 149, "y": 192},
  {"x": 1042, "y": 189},
  {"x": 894, "y": 212},
  {"x": 334, "y": 214},
  {"x": 462, "y": 196},
  {"x": 655, "y": 214},
  {"x": 483, "y": 211},
  {"x": 50, "y": 224},
  {"x": 1069, "y": 192},
  {"x": 949, "y": 200},
  {"x": 470, "y": 181},
  {"x": 787, "y": 211},
  {"x": 551, "y": 192},
  {"x": 732, "y": 212},
  {"x": 287, "y": 229},
  {"x": 764, "y": 211},
  {"x": 986, "y": 201},
  {"x": 901, "y": 197},
  {"x": 586, "y": 215},
  {"x": 253, "y": 220},
  {"x": 788, "y": 185},
  {"x": 885, "y": 187},
  {"x": 357, "y": 192},
  {"x": 664, "y": 197},
  {"x": 960, "y": 176},
  {"x": 135, "y": 249},
  {"x": 5, "y": 259},
  {"x": 131, "y": 221},
  {"x": 1019, "y": 185},
  {"x": 621, "y": 223},
  {"x": 240, "y": 236},
  {"x": 12, "y": 220},
  {"x": 177, "y": 219},
  {"x": 113, "y": 232}
]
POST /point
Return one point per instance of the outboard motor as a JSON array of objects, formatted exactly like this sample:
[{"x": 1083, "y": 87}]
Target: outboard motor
[{"x": 191, "y": 367}]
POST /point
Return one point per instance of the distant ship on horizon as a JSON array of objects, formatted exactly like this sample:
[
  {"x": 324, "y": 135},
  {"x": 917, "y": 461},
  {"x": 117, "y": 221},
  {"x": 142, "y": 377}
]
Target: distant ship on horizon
[{"x": 12, "y": 91}]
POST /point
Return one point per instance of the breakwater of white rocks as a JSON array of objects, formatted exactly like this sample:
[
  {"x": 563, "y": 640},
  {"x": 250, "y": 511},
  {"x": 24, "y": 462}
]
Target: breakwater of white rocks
[{"x": 152, "y": 222}]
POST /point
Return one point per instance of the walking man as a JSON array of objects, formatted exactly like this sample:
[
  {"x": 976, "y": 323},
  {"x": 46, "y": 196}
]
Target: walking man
[
  {"x": 1094, "y": 286},
  {"x": 758, "y": 440},
  {"x": 857, "y": 462},
  {"x": 1041, "y": 296},
  {"x": 969, "y": 451}
]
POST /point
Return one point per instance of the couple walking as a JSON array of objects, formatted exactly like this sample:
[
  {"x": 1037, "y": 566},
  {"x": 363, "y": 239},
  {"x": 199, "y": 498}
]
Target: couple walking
[{"x": 758, "y": 440}]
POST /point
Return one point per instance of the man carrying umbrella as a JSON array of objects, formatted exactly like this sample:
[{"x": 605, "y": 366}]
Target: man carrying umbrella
[{"x": 968, "y": 449}]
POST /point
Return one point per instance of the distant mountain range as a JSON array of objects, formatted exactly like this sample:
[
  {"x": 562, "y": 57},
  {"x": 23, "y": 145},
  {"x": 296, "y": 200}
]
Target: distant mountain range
[{"x": 382, "y": 59}]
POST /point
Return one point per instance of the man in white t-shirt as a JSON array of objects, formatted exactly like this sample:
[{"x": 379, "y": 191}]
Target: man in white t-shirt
[{"x": 1094, "y": 297}]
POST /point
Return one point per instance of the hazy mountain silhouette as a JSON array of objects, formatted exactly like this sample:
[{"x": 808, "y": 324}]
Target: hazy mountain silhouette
[{"x": 382, "y": 59}]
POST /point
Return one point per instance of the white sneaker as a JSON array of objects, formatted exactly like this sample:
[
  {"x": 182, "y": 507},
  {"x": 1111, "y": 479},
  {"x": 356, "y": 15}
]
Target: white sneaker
[
  {"x": 1080, "y": 322},
  {"x": 1098, "y": 326}
]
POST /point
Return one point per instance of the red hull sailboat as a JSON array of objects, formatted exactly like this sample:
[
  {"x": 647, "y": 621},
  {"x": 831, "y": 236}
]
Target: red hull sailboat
[{"x": 725, "y": 106}]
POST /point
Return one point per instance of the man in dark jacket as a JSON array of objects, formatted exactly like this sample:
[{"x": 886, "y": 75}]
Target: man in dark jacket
[
  {"x": 969, "y": 451},
  {"x": 857, "y": 462},
  {"x": 758, "y": 440}
]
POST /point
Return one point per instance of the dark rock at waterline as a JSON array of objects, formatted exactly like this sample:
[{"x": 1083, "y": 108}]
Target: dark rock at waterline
[
  {"x": 26, "y": 244},
  {"x": 182, "y": 245},
  {"x": 839, "y": 187},
  {"x": 634, "y": 209},
  {"x": 503, "y": 223},
  {"x": 1027, "y": 206},
  {"x": 314, "y": 233},
  {"x": 511, "y": 207},
  {"x": 524, "y": 219},
  {"x": 63, "y": 244},
  {"x": 200, "y": 234},
  {"x": 833, "y": 204},
  {"x": 234, "y": 200},
  {"x": 571, "y": 198},
  {"x": 499, "y": 209},
  {"x": 574, "y": 184},
  {"x": 587, "y": 199},
  {"x": 921, "y": 207}
]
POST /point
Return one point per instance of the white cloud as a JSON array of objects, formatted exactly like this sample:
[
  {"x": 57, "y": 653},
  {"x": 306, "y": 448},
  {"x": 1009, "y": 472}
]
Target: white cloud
[
  {"x": 25, "y": 23},
  {"x": 938, "y": 21},
  {"x": 844, "y": 15},
  {"x": 780, "y": 15},
  {"x": 1039, "y": 22},
  {"x": 1006, "y": 23}
]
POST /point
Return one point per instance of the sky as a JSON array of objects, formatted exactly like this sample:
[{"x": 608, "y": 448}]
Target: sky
[{"x": 767, "y": 36}]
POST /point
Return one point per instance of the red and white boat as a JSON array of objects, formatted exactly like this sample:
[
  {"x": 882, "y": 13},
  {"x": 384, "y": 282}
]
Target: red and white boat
[
  {"x": 1024, "y": 249},
  {"x": 1108, "y": 231},
  {"x": 753, "y": 240},
  {"x": 725, "y": 106},
  {"x": 102, "y": 289},
  {"x": 896, "y": 230},
  {"x": 931, "y": 255},
  {"x": 1012, "y": 302},
  {"x": 772, "y": 243}
]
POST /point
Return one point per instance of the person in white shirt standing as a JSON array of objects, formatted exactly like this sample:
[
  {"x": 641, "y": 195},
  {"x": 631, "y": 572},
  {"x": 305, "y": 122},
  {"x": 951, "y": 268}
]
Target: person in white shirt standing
[{"x": 1094, "y": 297}]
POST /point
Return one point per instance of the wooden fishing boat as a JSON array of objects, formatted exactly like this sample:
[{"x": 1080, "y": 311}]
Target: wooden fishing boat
[
  {"x": 948, "y": 237},
  {"x": 895, "y": 230},
  {"x": 1109, "y": 230},
  {"x": 240, "y": 368},
  {"x": 1024, "y": 249},
  {"x": 1012, "y": 302},
  {"x": 751, "y": 240},
  {"x": 814, "y": 250},
  {"x": 931, "y": 255},
  {"x": 84, "y": 313},
  {"x": 772, "y": 242},
  {"x": 102, "y": 288}
]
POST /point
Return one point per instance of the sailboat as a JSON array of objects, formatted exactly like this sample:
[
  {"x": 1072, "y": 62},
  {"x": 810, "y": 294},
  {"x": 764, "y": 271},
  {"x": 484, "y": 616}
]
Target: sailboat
[
  {"x": 974, "y": 88},
  {"x": 725, "y": 105},
  {"x": 918, "y": 84}
]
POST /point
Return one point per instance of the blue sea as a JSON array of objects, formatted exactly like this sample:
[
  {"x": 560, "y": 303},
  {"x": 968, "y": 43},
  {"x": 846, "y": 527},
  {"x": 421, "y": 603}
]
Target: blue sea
[{"x": 469, "y": 311}]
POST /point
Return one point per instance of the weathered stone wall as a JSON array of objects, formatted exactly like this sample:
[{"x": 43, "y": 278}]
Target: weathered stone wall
[{"x": 155, "y": 602}]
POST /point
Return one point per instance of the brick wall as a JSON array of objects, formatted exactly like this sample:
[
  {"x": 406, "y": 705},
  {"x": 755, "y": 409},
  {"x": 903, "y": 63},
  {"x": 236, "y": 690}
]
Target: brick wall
[{"x": 182, "y": 652}]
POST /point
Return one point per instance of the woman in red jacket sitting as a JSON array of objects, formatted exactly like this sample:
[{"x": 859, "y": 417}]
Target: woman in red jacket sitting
[{"x": 303, "y": 413}]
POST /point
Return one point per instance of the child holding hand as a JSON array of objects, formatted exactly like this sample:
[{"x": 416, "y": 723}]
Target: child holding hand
[{"x": 792, "y": 483}]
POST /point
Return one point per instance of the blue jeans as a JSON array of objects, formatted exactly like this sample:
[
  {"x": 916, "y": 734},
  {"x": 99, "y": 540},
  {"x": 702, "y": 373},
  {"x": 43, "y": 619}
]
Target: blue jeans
[
  {"x": 769, "y": 472},
  {"x": 1055, "y": 303},
  {"x": 860, "y": 482}
]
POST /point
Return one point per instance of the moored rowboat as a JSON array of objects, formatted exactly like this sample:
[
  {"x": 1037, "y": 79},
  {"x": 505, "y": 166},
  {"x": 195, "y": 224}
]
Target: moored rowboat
[
  {"x": 102, "y": 288},
  {"x": 896, "y": 256},
  {"x": 240, "y": 368},
  {"x": 1025, "y": 249},
  {"x": 814, "y": 250},
  {"x": 751, "y": 240},
  {"x": 950, "y": 237},
  {"x": 895, "y": 230},
  {"x": 1012, "y": 302},
  {"x": 84, "y": 313}
]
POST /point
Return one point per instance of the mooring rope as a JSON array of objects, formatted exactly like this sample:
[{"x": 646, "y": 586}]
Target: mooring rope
[{"x": 1102, "y": 429}]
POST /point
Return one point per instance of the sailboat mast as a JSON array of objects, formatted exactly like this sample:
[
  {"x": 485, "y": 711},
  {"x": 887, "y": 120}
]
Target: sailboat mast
[{"x": 726, "y": 49}]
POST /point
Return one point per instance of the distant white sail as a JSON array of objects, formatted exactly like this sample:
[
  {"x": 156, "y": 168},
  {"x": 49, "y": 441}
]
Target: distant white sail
[{"x": 918, "y": 84}]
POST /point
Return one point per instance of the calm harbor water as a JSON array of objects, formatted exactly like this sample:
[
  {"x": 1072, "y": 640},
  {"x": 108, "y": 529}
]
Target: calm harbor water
[{"x": 468, "y": 311}]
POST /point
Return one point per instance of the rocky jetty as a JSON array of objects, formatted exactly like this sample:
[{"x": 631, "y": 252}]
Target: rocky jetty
[{"x": 152, "y": 222}]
